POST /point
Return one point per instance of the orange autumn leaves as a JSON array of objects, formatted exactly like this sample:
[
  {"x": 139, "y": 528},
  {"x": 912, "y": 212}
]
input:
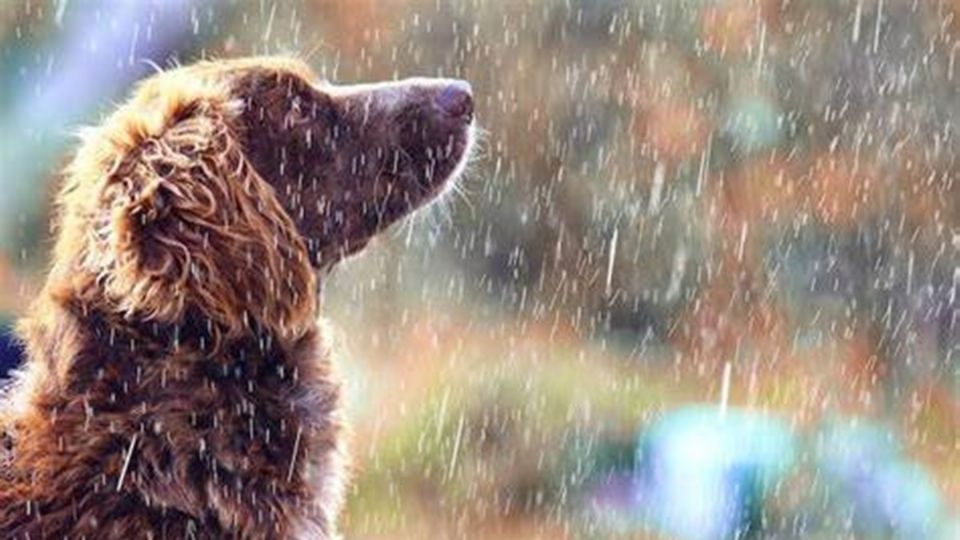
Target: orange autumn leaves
[
  {"x": 734, "y": 27},
  {"x": 675, "y": 129},
  {"x": 843, "y": 192},
  {"x": 834, "y": 189}
]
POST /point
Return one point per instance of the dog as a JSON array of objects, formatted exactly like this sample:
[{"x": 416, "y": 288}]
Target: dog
[{"x": 177, "y": 382}]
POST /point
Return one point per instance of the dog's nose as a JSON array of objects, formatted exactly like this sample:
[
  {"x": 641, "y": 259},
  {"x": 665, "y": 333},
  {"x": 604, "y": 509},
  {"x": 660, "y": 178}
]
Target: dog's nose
[{"x": 456, "y": 99}]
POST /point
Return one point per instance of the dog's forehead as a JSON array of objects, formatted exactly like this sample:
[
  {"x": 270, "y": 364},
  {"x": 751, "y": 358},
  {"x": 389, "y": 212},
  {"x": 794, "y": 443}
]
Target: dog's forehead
[
  {"x": 224, "y": 76},
  {"x": 265, "y": 65},
  {"x": 220, "y": 80}
]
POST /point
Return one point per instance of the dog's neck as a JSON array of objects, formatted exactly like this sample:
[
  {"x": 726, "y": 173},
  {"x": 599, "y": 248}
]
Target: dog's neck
[{"x": 221, "y": 430}]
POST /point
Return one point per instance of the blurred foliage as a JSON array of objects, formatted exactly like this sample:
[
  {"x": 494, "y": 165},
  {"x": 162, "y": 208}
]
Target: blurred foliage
[{"x": 664, "y": 191}]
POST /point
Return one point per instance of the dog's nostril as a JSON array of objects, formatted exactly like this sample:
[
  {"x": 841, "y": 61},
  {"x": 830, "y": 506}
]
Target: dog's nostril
[{"x": 456, "y": 100}]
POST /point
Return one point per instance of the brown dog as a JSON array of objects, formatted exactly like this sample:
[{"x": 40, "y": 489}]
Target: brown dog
[{"x": 177, "y": 384}]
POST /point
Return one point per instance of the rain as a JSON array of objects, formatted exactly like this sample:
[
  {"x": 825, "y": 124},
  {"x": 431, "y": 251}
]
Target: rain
[{"x": 698, "y": 279}]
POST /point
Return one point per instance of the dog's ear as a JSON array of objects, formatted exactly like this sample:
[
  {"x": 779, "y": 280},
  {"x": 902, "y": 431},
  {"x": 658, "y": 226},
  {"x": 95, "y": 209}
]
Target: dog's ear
[{"x": 189, "y": 225}]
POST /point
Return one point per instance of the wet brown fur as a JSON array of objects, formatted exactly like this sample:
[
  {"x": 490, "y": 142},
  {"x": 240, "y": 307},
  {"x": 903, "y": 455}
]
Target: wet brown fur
[{"x": 176, "y": 331}]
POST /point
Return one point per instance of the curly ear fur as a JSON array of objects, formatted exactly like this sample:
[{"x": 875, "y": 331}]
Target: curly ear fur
[
  {"x": 183, "y": 222},
  {"x": 192, "y": 222}
]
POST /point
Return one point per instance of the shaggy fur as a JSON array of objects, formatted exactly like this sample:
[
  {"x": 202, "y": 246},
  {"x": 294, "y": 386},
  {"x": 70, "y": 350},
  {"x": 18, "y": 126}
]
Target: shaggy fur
[{"x": 177, "y": 384}]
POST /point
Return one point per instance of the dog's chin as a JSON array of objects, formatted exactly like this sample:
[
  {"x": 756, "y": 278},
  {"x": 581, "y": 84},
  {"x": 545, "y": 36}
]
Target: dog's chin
[{"x": 459, "y": 159}]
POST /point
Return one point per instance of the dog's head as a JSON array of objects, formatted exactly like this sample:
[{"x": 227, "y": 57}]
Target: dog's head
[
  {"x": 223, "y": 187},
  {"x": 347, "y": 161}
]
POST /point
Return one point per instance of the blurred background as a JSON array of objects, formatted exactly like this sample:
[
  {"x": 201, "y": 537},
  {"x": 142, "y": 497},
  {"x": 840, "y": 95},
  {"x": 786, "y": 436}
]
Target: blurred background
[{"x": 703, "y": 283}]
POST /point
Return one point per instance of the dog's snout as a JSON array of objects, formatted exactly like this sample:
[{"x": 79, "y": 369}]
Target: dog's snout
[{"x": 456, "y": 100}]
